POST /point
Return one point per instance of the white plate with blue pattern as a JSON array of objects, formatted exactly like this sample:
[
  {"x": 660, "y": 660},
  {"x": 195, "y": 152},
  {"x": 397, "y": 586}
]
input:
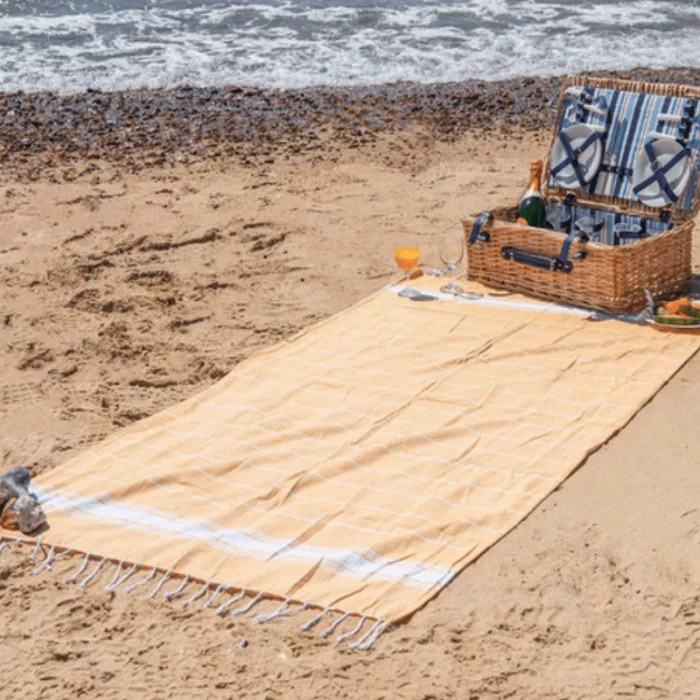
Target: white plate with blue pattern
[
  {"x": 588, "y": 159},
  {"x": 653, "y": 194}
]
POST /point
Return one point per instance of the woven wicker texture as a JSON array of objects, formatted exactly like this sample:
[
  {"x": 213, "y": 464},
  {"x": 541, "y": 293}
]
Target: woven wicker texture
[{"x": 606, "y": 278}]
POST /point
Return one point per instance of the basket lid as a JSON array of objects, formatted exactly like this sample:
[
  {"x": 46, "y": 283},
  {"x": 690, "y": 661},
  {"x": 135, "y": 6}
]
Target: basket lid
[{"x": 627, "y": 146}]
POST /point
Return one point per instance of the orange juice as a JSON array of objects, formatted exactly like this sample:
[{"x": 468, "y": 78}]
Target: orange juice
[{"x": 406, "y": 257}]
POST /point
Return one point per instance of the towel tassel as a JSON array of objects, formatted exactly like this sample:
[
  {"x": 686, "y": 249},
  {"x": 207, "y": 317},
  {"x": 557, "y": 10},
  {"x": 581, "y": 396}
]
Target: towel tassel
[
  {"x": 314, "y": 620},
  {"x": 80, "y": 571},
  {"x": 282, "y": 611},
  {"x": 335, "y": 624},
  {"x": 225, "y": 606},
  {"x": 246, "y": 608},
  {"x": 160, "y": 585},
  {"x": 143, "y": 582},
  {"x": 213, "y": 596},
  {"x": 347, "y": 635},
  {"x": 96, "y": 571},
  {"x": 197, "y": 594},
  {"x": 170, "y": 595},
  {"x": 51, "y": 557},
  {"x": 6, "y": 545},
  {"x": 35, "y": 552},
  {"x": 366, "y": 643},
  {"x": 117, "y": 574},
  {"x": 116, "y": 583}
]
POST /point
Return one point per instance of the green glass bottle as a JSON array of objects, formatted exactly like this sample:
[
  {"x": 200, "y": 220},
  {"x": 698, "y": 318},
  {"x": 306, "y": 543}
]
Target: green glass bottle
[{"x": 531, "y": 207}]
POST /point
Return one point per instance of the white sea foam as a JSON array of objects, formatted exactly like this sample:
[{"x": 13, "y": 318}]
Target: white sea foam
[{"x": 72, "y": 45}]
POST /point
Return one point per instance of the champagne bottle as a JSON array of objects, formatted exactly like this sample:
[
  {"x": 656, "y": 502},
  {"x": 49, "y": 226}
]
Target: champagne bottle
[{"x": 531, "y": 207}]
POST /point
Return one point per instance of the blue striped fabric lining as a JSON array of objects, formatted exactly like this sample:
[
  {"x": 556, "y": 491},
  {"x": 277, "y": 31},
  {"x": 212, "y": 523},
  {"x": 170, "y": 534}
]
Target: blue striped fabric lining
[
  {"x": 641, "y": 111},
  {"x": 604, "y": 223}
]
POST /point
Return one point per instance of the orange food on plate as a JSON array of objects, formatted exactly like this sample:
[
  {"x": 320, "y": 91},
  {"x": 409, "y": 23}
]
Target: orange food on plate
[{"x": 673, "y": 307}]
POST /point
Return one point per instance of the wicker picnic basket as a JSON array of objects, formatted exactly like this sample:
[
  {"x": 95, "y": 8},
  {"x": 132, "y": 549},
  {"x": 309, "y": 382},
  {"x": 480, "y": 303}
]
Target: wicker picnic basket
[{"x": 606, "y": 271}]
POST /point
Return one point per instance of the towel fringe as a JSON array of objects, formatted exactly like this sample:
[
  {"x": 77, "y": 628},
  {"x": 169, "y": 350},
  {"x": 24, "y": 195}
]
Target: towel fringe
[
  {"x": 246, "y": 608},
  {"x": 218, "y": 590},
  {"x": 65, "y": 553},
  {"x": 225, "y": 606},
  {"x": 160, "y": 585},
  {"x": 125, "y": 577},
  {"x": 341, "y": 638},
  {"x": 197, "y": 594},
  {"x": 284, "y": 611},
  {"x": 277, "y": 613},
  {"x": 49, "y": 558},
  {"x": 96, "y": 571},
  {"x": 109, "y": 586},
  {"x": 35, "y": 552},
  {"x": 314, "y": 620},
  {"x": 79, "y": 572},
  {"x": 143, "y": 582},
  {"x": 367, "y": 642},
  {"x": 335, "y": 624},
  {"x": 121, "y": 575},
  {"x": 183, "y": 584}
]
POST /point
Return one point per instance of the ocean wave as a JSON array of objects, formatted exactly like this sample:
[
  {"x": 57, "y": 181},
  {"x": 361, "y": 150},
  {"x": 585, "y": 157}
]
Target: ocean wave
[{"x": 71, "y": 45}]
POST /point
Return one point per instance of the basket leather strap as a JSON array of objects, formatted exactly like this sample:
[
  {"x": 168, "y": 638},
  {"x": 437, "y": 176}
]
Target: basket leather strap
[
  {"x": 616, "y": 170},
  {"x": 688, "y": 120},
  {"x": 659, "y": 172},
  {"x": 566, "y": 248},
  {"x": 484, "y": 219},
  {"x": 572, "y": 156},
  {"x": 586, "y": 98},
  {"x": 632, "y": 233}
]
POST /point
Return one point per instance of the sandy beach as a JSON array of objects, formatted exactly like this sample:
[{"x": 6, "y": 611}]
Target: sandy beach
[{"x": 137, "y": 271}]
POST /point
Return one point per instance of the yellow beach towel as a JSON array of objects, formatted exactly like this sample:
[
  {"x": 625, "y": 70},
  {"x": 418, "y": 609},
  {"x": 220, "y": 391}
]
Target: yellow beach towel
[{"x": 358, "y": 467}]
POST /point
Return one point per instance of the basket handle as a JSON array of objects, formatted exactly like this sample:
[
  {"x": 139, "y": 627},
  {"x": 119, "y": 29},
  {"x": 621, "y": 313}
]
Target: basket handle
[
  {"x": 478, "y": 233},
  {"x": 561, "y": 263},
  {"x": 543, "y": 262}
]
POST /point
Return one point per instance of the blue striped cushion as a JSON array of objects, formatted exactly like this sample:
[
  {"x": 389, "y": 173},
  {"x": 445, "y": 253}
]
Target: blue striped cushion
[
  {"x": 604, "y": 221},
  {"x": 641, "y": 112}
]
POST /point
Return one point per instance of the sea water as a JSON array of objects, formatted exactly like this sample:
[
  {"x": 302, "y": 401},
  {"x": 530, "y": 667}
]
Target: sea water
[{"x": 71, "y": 45}]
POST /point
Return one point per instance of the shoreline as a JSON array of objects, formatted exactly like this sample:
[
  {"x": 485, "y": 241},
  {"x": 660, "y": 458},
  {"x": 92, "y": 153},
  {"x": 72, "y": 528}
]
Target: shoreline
[{"x": 143, "y": 128}]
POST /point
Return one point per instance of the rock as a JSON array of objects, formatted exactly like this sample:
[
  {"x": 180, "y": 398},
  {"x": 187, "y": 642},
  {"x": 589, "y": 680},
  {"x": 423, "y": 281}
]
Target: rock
[
  {"x": 17, "y": 480},
  {"x": 23, "y": 514},
  {"x": 19, "y": 510},
  {"x": 6, "y": 494}
]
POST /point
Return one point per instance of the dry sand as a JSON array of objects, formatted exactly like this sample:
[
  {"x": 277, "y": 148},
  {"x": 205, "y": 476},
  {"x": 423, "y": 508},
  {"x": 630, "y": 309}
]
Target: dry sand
[{"x": 122, "y": 294}]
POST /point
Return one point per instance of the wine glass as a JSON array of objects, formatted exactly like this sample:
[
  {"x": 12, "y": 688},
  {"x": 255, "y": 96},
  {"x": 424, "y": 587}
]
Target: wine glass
[
  {"x": 407, "y": 257},
  {"x": 452, "y": 253},
  {"x": 554, "y": 218},
  {"x": 586, "y": 225}
]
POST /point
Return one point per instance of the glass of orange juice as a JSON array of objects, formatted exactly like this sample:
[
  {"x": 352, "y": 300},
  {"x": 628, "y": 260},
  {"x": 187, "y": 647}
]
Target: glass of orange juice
[{"x": 407, "y": 257}]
